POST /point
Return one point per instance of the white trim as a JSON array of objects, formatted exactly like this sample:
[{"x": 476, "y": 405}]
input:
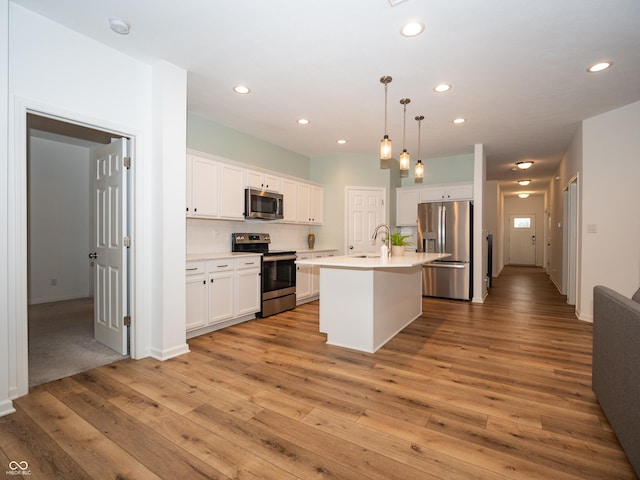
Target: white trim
[
  {"x": 17, "y": 223},
  {"x": 163, "y": 355}
]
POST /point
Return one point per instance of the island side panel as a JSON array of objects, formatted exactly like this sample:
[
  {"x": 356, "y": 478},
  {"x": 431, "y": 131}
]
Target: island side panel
[
  {"x": 397, "y": 301},
  {"x": 346, "y": 307}
]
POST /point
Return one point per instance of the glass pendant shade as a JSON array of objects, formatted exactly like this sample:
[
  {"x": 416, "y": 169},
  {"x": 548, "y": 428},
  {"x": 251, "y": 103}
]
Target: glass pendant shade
[
  {"x": 405, "y": 161},
  {"x": 385, "y": 148},
  {"x": 419, "y": 172}
]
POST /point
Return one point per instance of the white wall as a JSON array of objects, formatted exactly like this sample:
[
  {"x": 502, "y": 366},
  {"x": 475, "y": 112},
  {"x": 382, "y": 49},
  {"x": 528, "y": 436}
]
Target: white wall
[
  {"x": 5, "y": 353},
  {"x": 113, "y": 92},
  {"x": 534, "y": 204},
  {"x": 610, "y": 202},
  {"x": 59, "y": 221}
]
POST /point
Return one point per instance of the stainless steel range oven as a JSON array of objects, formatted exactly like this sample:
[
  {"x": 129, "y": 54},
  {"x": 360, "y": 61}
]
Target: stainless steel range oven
[{"x": 278, "y": 272}]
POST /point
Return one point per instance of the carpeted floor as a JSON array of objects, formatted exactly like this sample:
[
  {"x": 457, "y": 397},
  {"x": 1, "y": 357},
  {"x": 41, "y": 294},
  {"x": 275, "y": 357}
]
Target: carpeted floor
[{"x": 61, "y": 341}]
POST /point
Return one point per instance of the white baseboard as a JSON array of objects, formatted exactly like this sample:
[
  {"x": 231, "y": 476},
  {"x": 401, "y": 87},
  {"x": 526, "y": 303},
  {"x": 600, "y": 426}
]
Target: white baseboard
[
  {"x": 163, "y": 355},
  {"x": 6, "y": 407}
]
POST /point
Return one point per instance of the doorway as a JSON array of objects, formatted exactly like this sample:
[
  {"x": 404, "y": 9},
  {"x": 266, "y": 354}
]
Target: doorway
[
  {"x": 522, "y": 240},
  {"x": 365, "y": 210},
  {"x": 60, "y": 276}
]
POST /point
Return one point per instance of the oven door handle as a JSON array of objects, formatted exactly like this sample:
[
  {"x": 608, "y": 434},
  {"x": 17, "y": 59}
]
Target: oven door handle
[{"x": 277, "y": 258}]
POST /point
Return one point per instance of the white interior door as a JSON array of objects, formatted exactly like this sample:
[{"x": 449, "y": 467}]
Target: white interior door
[
  {"x": 365, "y": 210},
  {"x": 110, "y": 254},
  {"x": 522, "y": 240}
]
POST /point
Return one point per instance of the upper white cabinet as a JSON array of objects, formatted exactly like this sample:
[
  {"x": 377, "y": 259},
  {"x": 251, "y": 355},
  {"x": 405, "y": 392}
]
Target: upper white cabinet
[
  {"x": 231, "y": 192},
  {"x": 310, "y": 204},
  {"x": 216, "y": 190},
  {"x": 444, "y": 193},
  {"x": 408, "y": 198},
  {"x": 289, "y": 192},
  {"x": 203, "y": 199},
  {"x": 261, "y": 180}
]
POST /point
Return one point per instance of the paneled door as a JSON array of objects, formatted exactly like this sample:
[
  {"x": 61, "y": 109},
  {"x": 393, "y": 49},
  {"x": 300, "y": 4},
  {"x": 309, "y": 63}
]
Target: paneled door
[
  {"x": 365, "y": 210},
  {"x": 522, "y": 240},
  {"x": 110, "y": 252}
]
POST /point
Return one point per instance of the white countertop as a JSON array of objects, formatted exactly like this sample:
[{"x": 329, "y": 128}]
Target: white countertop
[{"x": 354, "y": 261}]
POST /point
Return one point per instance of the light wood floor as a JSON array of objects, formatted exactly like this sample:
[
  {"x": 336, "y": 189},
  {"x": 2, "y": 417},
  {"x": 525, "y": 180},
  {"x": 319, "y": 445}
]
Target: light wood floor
[{"x": 494, "y": 391}]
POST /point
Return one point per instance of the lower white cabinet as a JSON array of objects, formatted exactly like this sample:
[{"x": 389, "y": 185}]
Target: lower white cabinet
[
  {"x": 221, "y": 290},
  {"x": 308, "y": 277}
]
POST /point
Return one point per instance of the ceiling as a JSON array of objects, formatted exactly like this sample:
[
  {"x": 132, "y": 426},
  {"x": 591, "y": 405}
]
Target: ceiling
[{"x": 517, "y": 69}]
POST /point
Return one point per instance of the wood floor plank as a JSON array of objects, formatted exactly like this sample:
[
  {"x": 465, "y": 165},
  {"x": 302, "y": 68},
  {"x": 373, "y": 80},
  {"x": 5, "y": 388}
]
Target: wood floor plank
[{"x": 493, "y": 391}]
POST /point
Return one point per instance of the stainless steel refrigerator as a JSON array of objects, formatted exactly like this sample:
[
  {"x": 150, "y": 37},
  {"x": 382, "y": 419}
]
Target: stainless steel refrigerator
[{"x": 445, "y": 227}]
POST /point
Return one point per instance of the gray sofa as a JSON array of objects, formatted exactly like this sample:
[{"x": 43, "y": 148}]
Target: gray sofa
[{"x": 616, "y": 365}]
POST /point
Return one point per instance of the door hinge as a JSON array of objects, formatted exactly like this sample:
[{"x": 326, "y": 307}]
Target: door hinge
[
  {"x": 126, "y": 241},
  {"x": 127, "y": 321},
  {"x": 127, "y": 162}
]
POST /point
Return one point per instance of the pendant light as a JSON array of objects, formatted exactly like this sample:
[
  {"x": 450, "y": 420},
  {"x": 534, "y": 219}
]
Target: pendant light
[
  {"x": 405, "y": 158},
  {"x": 419, "y": 171},
  {"x": 385, "y": 143}
]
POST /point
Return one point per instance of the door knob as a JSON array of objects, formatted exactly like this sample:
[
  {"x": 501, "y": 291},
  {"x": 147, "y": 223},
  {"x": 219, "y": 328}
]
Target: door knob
[
  {"x": 350, "y": 247},
  {"x": 93, "y": 255}
]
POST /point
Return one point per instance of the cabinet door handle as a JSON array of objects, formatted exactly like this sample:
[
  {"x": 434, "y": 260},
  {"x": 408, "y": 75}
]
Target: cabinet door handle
[
  {"x": 222, "y": 266},
  {"x": 191, "y": 269}
]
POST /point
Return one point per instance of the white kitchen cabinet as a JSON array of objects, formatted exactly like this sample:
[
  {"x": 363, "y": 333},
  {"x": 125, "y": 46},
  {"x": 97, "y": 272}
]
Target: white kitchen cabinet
[
  {"x": 247, "y": 285},
  {"x": 436, "y": 193},
  {"x": 204, "y": 187},
  {"x": 231, "y": 192},
  {"x": 221, "y": 290},
  {"x": 310, "y": 204},
  {"x": 317, "y": 205},
  {"x": 262, "y": 180},
  {"x": 303, "y": 278},
  {"x": 289, "y": 190},
  {"x": 407, "y": 200},
  {"x": 308, "y": 277},
  {"x": 196, "y": 296}
]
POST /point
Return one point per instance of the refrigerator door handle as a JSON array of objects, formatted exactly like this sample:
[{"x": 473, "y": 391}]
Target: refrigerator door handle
[
  {"x": 443, "y": 229},
  {"x": 445, "y": 265}
]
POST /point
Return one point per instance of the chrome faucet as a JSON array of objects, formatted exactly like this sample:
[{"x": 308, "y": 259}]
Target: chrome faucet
[{"x": 387, "y": 240}]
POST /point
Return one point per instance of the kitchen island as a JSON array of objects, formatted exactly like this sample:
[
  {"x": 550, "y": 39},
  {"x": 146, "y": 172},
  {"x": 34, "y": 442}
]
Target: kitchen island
[{"x": 365, "y": 300}]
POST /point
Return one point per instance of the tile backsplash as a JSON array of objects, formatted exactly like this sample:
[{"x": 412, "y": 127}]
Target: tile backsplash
[{"x": 214, "y": 236}]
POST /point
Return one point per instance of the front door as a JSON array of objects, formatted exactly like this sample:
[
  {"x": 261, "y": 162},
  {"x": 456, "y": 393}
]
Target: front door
[
  {"x": 522, "y": 240},
  {"x": 365, "y": 210},
  {"x": 110, "y": 252}
]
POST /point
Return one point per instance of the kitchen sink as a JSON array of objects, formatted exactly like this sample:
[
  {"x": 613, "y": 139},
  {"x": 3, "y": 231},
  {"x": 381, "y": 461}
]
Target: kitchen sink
[{"x": 366, "y": 255}]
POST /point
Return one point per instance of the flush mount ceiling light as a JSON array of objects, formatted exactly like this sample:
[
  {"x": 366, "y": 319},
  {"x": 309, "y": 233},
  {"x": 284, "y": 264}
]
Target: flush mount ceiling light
[
  {"x": 524, "y": 183},
  {"x": 523, "y": 195},
  {"x": 341, "y": 141},
  {"x": 419, "y": 171},
  {"x": 304, "y": 121},
  {"x": 241, "y": 89},
  {"x": 119, "y": 26},
  {"x": 385, "y": 143},
  {"x": 459, "y": 121},
  {"x": 443, "y": 87},
  {"x": 524, "y": 165},
  {"x": 598, "y": 67},
  {"x": 412, "y": 29},
  {"x": 405, "y": 158}
]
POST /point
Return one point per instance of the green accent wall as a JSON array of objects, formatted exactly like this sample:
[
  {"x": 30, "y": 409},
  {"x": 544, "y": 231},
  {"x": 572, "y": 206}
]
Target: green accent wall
[
  {"x": 207, "y": 136},
  {"x": 454, "y": 169}
]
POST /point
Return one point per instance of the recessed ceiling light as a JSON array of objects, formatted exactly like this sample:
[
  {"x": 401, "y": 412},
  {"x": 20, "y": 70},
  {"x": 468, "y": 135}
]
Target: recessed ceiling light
[
  {"x": 459, "y": 121},
  {"x": 119, "y": 26},
  {"x": 524, "y": 165},
  {"x": 523, "y": 195},
  {"x": 412, "y": 29},
  {"x": 443, "y": 87},
  {"x": 304, "y": 121},
  {"x": 598, "y": 67},
  {"x": 241, "y": 89},
  {"x": 524, "y": 183},
  {"x": 341, "y": 141}
]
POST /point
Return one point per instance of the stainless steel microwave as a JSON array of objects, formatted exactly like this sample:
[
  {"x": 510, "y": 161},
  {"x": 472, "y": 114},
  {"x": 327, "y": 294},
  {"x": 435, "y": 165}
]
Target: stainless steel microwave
[{"x": 262, "y": 204}]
